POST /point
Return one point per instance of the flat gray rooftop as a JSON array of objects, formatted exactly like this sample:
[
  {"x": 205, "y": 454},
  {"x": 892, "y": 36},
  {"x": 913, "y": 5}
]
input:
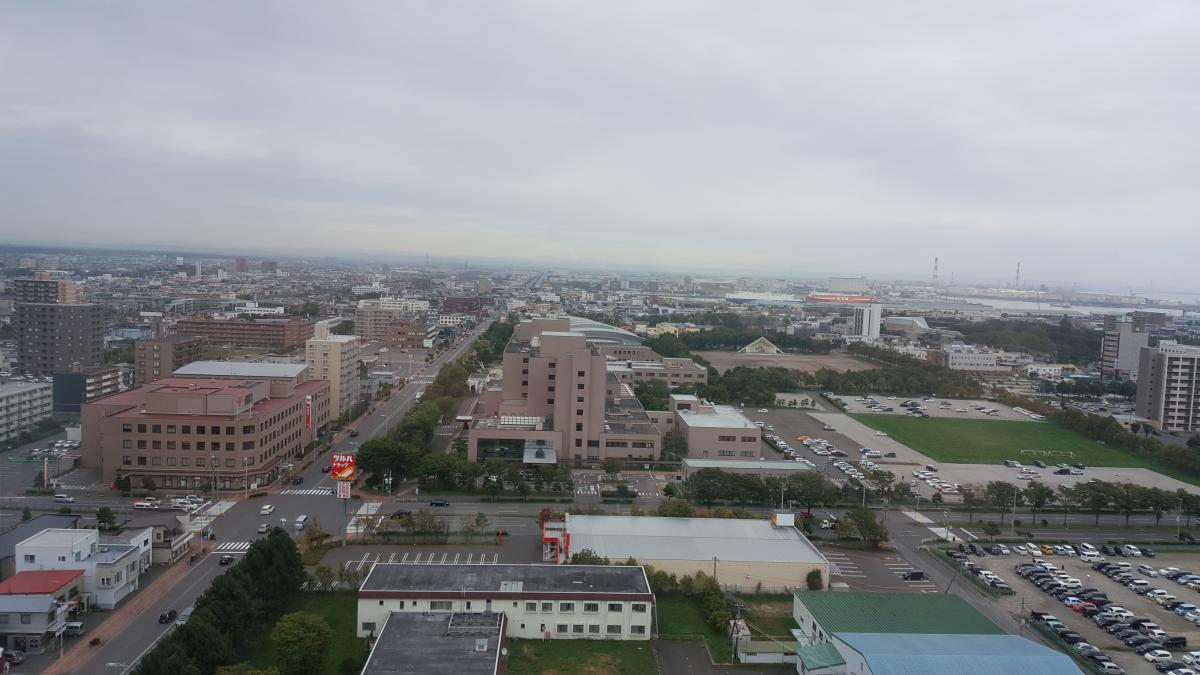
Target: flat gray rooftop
[
  {"x": 652, "y": 538},
  {"x": 722, "y": 416},
  {"x": 240, "y": 369},
  {"x": 436, "y": 644},
  {"x": 506, "y": 578}
]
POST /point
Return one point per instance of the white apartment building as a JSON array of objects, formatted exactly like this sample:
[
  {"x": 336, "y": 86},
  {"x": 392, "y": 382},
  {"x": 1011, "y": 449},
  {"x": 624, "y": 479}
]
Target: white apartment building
[
  {"x": 111, "y": 571},
  {"x": 334, "y": 358},
  {"x": 22, "y": 405},
  {"x": 973, "y": 361},
  {"x": 452, "y": 320},
  {"x": 598, "y": 602},
  {"x": 866, "y": 321}
]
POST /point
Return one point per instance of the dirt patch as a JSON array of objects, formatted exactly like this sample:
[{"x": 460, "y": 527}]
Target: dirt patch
[{"x": 809, "y": 363}]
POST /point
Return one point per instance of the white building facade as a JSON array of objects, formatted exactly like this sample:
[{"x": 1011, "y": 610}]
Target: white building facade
[
  {"x": 22, "y": 405},
  {"x": 111, "y": 571}
]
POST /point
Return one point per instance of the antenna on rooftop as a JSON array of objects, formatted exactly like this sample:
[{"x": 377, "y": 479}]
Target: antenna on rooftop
[
  {"x": 1017, "y": 284},
  {"x": 935, "y": 271}
]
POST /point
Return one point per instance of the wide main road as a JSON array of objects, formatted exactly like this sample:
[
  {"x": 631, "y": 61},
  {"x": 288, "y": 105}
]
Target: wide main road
[{"x": 236, "y": 528}]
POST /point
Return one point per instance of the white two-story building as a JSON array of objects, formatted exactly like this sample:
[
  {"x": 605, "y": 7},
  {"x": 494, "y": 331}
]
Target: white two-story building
[
  {"x": 111, "y": 571},
  {"x": 597, "y": 602}
]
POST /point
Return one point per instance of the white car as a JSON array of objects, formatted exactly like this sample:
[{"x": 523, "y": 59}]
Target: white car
[
  {"x": 1191, "y": 658},
  {"x": 1157, "y": 656},
  {"x": 1131, "y": 551},
  {"x": 1019, "y": 549},
  {"x": 881, "y": 433},
  {"x": 266, "y": 510},
  {"x": 763, "y": 411}
]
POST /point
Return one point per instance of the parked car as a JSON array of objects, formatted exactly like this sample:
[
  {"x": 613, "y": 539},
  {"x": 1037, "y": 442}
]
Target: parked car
[
  {"x": 168, "y": 616},
  {"x": 439, "y": 502},
  {"x": 14, "y": 656},
  {"x": 226, "y": 560}
]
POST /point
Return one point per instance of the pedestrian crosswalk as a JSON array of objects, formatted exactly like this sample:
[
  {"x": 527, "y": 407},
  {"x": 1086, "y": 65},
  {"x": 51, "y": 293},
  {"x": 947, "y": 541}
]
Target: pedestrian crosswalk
[
  {"x": 233, "y": 546},
  {"x": 311, "y": 491},
  {"x": 590, "y": 489}
]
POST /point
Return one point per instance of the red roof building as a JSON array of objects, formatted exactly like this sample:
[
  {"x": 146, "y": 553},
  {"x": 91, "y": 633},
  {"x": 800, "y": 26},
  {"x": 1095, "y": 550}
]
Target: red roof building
[{"x": 38, "y": 582}]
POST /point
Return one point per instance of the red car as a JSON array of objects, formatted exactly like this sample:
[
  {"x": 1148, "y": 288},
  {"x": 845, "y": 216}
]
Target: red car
[{"x": 1080, "y": 606}]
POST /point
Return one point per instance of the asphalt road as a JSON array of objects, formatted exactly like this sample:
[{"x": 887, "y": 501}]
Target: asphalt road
[{"x": 237, "y": 523}]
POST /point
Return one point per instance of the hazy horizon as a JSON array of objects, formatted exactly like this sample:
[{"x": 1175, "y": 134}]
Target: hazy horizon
[{"x": 774, "y": 140}]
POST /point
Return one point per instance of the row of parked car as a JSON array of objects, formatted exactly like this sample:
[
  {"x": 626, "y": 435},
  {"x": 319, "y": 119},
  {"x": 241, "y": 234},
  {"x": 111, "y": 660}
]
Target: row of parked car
[
  {"x": 1120, "y": 573},
  {"x": 988, "y": 577},
  {"x": 1141, "y": 634}
]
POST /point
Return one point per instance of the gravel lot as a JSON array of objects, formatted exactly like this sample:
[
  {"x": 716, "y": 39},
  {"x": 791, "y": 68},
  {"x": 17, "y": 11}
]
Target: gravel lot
[{"x": 934, "y": 408}]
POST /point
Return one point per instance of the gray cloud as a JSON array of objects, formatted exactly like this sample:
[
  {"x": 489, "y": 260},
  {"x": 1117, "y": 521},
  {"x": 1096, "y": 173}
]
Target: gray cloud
[{"x": 792, "y": 138}]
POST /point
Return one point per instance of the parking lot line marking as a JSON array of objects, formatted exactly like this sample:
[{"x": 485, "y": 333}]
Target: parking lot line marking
[
  {"x": 418, "y": 558},
  {"x": 444, "y": 558},
  {"x": 455, "y": 558},
  {"x": 469, "y": 556}
]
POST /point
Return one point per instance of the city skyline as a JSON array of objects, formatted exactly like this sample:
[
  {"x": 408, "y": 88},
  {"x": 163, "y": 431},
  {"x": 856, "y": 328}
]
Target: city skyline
[{"x": 790, "y": 141}]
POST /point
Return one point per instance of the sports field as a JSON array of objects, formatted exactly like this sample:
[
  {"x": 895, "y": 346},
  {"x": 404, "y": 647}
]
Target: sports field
[{"x": 993, "y": 441}]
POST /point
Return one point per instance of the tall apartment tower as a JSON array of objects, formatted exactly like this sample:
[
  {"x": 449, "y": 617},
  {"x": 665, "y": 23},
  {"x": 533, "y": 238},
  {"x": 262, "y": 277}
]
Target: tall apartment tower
[
  {"x": 59, "y": 338},
  {"x": 334, "y": 359},
  {"x": 158, "y": 358},
  {"x": 866, "y": 321},
  {"x": 1124, "y": 337},
  {"x": 1168, "y": 389},
  {"x": 241, "y": 265}
]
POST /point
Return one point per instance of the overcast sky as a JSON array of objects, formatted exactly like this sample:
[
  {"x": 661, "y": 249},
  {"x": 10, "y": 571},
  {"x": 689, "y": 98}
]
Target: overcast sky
[{"x": 797, "y": 138}]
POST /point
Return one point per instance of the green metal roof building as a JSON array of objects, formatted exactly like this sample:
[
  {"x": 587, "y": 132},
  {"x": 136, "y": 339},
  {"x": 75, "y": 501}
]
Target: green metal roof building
[{"x": 821, "y": 614}]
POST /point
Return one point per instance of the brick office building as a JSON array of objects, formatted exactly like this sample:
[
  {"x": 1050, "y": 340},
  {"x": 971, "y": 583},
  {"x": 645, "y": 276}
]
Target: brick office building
[
  {"x": 235, "y": 423},
  {"x": 269, "y": 333},
  {"x": 158, "y": 358}
]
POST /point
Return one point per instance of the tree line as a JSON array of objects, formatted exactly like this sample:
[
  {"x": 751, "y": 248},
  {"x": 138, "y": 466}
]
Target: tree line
[
  {"x": 1095, "y": 497},
  {"x": 1063, "y": 342},
  {"x": 231, "y": 613},
  {"x": 807, "y": 488}
]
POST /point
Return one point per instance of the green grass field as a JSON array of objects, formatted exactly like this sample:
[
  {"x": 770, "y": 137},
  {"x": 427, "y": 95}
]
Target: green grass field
[
  {"x": 993, "y": 441},
  {"x": 583, "y": 657}
]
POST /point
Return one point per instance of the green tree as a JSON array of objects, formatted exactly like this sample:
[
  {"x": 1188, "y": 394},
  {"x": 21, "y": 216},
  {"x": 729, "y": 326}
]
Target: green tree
[
  {"x": 1158, "y": 501},
  {"x": 706, "y": 486},
  {"x": 613, "y": 466},
  {"x": 587, "y": 557},
  {"x": 523, "y": 489},
  {"x": 811, "y": 488},
  {"x": 971, "y": 502},
  {"x": 652, "y": 394},
  {"x": 867, "y": 525},
  {"x": 1127, "y": 498},
  {"x": 246, "y": 669},
  {"x": 674, "y": 446},
  {"x": 1001, "y": 495},
  {"x": 676, "y": 508},
  {"x": 813, "y": 580},
  {"x": 26, "y": 514},
  {"x": 1095, "y": 497},
  {"x": 323, "y": 575},
  {"x": 301, "y": 641},
  {"x": 991, "y": 529},
  {"x": 1038, "y": 496},
  {"x": 105, "y": 518},
  {"x": 149, "y": 484}
]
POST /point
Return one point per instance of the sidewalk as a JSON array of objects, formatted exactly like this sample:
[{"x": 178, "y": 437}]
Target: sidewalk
[{"x": 76, "y": 658}]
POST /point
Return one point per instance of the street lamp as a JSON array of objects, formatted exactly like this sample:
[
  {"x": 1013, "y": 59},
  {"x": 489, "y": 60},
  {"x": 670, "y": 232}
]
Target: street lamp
[{"x": 213, "y": 463}]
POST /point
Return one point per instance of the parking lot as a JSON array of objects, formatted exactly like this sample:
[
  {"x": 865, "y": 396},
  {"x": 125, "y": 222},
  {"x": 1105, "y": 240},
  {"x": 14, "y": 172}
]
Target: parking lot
[
  {"x": 874, "y": 571},
  {"x": 938, "y": 407},
  {"x": 1029, "y": 597},
  {"x": 643, "y": 485}
]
